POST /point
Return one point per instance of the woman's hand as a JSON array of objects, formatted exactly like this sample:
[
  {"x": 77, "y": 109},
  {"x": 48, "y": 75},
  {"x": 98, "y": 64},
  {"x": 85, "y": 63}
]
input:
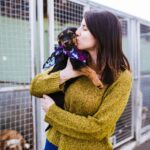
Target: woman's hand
[
  {"x": 46, "y": 102},
  {"x": 68, "y": 73}
]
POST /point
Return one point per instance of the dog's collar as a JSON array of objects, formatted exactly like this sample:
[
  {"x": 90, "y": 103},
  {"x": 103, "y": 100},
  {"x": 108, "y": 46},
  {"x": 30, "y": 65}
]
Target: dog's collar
[{"x": 74, "y": 53}]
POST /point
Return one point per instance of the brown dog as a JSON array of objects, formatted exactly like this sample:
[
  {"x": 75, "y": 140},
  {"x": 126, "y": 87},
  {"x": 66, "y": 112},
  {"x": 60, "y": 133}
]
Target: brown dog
[
  {"x": 12, "y": 140},
  {"x": 67, "y": 38}
]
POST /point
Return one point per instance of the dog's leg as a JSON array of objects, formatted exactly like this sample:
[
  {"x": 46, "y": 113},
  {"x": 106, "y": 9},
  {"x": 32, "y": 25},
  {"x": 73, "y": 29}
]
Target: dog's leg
[{"x": 90, "y": 73}]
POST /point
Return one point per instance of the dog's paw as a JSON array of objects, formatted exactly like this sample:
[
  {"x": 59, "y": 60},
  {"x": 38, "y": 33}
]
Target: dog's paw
[
  {"x": 97, "y": 82},
  {"x": 100, "y": 86}
]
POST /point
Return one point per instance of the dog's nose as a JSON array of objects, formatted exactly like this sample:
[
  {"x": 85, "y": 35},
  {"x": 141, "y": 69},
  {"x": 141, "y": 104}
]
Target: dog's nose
[{"x": 66, "y": 43}]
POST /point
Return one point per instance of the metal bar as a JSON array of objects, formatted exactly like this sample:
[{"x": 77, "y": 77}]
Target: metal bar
[
  {"x": 41, "y": 32},
  {"x": 50, "y": 10},
  {"x": 39, "y": 112},
  {"x": 138, "y": 100},
  {"x": 18, "y": 88},
  {"x": 130, "y": 46},
  {"x": 32, "y": 5},
  {"x": 81, "y": 2}
]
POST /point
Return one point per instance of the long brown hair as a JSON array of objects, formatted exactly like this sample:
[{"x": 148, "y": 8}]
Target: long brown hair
[{"x": 106, "y": 28}]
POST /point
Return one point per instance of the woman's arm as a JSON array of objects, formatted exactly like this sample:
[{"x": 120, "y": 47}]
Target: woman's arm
[
  {"x": 103, "y": 122},
  {"x": 68, "y": 73},
  {"x": 44, "y": 83}
]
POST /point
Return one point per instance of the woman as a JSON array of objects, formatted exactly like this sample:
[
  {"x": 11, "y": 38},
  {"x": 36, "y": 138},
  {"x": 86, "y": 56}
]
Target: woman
[{"x": 90, "y": 114}]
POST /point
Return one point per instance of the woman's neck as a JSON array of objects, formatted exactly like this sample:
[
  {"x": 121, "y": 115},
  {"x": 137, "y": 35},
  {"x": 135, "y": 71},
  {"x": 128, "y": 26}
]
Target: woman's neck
[{"x": 93, "y": 60}]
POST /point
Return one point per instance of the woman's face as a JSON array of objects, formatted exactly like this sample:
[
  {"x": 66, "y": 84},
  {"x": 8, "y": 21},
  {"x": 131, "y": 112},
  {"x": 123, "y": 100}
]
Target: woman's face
[{"x": 85, "y": 40}]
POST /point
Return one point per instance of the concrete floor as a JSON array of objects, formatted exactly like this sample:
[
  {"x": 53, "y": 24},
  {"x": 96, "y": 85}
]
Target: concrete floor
[{"x": 144, "y": 146}]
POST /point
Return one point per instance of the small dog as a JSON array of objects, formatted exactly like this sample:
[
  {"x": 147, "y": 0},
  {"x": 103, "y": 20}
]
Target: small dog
[
  {"x": 12, "y": 140},
  {"x": 78, "y": 58}
]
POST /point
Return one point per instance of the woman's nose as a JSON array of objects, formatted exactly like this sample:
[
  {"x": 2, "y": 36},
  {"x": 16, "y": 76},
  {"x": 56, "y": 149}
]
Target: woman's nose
[{"x": 77, "y": 32}]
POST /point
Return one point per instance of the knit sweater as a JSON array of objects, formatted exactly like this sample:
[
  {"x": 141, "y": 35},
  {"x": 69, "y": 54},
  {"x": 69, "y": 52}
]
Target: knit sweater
[{"x": 90, "y": 114}]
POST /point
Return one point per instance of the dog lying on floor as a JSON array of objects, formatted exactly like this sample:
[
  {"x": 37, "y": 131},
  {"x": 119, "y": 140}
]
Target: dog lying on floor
[{"x": 12, "y": 140}]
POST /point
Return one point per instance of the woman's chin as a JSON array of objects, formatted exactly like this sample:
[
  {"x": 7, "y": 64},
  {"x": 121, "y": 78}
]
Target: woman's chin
[{"x": 80, "y": 48}]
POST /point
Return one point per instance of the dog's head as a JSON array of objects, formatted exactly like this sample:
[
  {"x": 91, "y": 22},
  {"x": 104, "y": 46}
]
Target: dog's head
[
  {"x": 16, "y": 144},
  {"x": 67, "y": 38}
]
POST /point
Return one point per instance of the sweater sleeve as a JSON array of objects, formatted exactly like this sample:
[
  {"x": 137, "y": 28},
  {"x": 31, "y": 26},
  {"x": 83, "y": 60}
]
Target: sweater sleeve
[
  {"x": 102, "y": 123},
  {"x": 44, "y": 83}
]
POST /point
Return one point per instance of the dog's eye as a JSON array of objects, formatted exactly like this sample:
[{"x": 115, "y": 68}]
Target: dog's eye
[{"x": 70, "y": 33}]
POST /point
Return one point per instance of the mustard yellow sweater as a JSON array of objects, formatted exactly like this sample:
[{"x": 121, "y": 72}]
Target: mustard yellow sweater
[{"x": 90, "y": 114}]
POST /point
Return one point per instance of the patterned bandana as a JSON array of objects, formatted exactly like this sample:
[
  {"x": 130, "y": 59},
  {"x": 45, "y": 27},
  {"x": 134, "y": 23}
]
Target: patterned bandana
[{"x": 74, "y": 53}]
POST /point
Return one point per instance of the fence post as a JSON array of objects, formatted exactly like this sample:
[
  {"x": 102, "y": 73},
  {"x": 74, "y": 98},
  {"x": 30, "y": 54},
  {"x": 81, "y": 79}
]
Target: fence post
[{"x": 135, "y": 47}]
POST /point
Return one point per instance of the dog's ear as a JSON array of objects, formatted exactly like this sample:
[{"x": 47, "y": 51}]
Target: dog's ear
[{"x": 60, "y": 38}]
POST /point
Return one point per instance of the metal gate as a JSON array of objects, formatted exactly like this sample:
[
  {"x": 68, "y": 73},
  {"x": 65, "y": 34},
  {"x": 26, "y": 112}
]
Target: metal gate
[
  {"x": 145, "y": 75},
  {"x": 16, "y": 107},
  {"x": 17, "y": 66},
  {"x": 70, "y": 13}
]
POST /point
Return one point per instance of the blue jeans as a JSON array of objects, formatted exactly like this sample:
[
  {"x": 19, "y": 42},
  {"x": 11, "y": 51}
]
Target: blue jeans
[{"x": 50, "y": 146}]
